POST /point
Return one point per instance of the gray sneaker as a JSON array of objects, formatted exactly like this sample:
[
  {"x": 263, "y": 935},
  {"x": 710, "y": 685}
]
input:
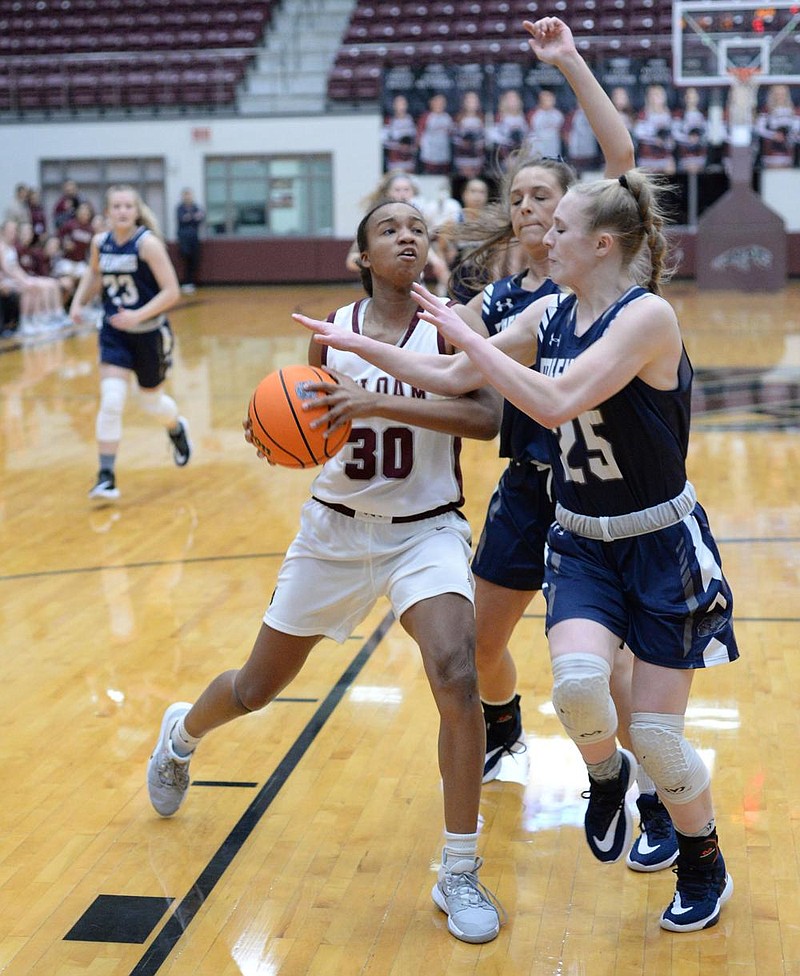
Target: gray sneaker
[
  {"x": 167, "y": 772},
  {"x": 472, "y": 910}
]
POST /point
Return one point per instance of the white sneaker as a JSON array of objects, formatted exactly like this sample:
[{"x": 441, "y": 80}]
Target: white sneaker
[
  {"x": 472, "y": 910},
  {"x": 167, "y": 772}
]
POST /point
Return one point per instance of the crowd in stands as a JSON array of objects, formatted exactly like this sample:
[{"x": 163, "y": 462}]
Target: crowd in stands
[
  {"x": 42, "y": 258},
  {"x": 673, "y": 131}
]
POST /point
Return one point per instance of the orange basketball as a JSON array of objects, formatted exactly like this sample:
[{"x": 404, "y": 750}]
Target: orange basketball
[{"x": 281, "y": 427}]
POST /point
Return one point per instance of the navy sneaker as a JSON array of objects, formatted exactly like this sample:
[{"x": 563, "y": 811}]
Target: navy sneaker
[
  {"x": 702, "y": 888},
  {"x": 656, "y": 847},
  {"x": 608, "y": 821},
  {"x": 105, "y": 488},
  {"x": 504, "y": 735},
  {"x": 181, "y": 445}
]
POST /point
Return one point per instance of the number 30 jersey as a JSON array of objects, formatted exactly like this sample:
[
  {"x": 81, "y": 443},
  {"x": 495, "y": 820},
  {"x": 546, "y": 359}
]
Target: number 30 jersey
[
  {"x": 128, "y": 281},
  {"x": 388, "y": 468},
  {"x": 628, "y": 453}
]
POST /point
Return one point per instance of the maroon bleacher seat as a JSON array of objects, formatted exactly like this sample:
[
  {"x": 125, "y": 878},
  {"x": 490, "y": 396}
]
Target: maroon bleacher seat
[{"x": 77, "y": 39}]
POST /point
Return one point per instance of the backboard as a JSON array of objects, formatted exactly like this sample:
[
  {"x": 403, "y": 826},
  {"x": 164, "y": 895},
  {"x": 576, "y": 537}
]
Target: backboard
[{"x": 709, "y": 37}]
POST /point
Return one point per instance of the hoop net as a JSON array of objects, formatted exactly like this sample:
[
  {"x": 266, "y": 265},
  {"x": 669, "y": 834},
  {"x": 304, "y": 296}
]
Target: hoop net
[{"x": 742, "y": 98}]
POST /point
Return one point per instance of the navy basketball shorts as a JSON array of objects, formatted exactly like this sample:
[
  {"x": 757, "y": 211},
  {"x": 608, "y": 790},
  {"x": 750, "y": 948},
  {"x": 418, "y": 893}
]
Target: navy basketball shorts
[
  {"x": 662, "y": 593},
  {"x": 147, "y": 354},
  {"x": 510, "y": 551}
]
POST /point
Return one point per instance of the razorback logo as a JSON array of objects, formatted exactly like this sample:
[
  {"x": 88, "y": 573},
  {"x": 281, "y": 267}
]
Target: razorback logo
[{"x": 743, "y": 258}]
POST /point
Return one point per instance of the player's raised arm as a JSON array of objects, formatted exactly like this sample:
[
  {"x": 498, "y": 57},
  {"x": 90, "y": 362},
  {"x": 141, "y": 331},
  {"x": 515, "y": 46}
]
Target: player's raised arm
[{"x": 552, "y": 42}]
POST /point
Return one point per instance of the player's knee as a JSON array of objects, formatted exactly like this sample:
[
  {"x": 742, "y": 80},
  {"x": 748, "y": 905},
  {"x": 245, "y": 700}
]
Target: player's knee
[
  {"x": 669, "y": 760},
  {"x": 113, "y": 390},
  {"x": 452, "y": 673},
  {"x": 156, "y": 403},
  {"x": 582, "y": 699},
  {"x": 250, "y": 694}
]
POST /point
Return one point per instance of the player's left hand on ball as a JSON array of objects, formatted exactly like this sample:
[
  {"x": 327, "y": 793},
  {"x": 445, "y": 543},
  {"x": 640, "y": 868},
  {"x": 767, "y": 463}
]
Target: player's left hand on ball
[{"x": 247, "y": 424}]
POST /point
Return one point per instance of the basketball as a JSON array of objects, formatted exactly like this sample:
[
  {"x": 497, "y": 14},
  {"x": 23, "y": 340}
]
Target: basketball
[{"x": 282, "y": 428}]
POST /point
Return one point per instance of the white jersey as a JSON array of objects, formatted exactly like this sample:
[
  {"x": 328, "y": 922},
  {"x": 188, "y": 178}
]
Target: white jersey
[{"x": 388, "y": 469}]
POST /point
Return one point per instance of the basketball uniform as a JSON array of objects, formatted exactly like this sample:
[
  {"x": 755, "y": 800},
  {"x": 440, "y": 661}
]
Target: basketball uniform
[
  {"x": 384, "y": 515},
  {"x": 510, "y": 551},
  {"x": 631, "y": 548},
  {"x": 129, "y": 283}
]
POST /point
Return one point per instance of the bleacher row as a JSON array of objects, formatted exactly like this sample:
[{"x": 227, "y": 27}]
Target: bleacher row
[
  {"x": 385, "y": 35},
  {"x": 125, "y": 82},
  {"x": 75, "y": 55}
]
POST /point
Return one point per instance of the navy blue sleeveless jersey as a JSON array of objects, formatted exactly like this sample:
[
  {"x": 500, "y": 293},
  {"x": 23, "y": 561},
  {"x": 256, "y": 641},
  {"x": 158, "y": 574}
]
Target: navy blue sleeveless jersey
[
  {"x": 627, "y": 454},
  {"x": 128, "y": 281},
  {"x": 502, "y": 301}
]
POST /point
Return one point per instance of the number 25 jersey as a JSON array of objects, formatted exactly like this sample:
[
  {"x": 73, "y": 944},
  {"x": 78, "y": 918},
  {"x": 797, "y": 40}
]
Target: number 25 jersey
[{"x": 628, "y": 453}]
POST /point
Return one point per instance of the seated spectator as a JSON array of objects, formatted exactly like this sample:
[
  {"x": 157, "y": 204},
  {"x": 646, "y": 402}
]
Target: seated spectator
[
  {"x": 18, "y": 208},
  {"x": 36, "y": 215},
  {"x": 40, "y": 304},
  {"x": 65, "y": 271},
  {"x": 29, "y": 251},
  {"x": 76, "y": 235},
  {"x": 66, "y": 205}
]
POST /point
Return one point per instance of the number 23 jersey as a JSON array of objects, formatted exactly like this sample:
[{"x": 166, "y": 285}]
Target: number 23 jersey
[
  {"x": 128, "y": 281},
  {"x": 388, "y": 468},
  {"x": 628, "y": 453}
]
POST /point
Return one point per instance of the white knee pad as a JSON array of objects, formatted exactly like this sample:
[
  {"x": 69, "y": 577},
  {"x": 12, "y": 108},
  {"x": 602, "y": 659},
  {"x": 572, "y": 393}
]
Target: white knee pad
[
  {"x": 669, "y": 760},
  {"x": 113, "y": 390},
  {"x": 582, "y": 699},
  {"x": 157, "y": 404}
]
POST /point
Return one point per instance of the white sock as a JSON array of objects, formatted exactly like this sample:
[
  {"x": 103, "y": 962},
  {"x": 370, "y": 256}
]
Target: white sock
[
  {"x": 183, "y": 743},
  {"x": 643, "y": 781},
  {"x": 459, "y": 847}
]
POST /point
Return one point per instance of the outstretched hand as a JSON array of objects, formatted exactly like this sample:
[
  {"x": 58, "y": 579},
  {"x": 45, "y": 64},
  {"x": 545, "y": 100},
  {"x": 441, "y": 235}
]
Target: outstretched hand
[
  {"x": 551, "y": 40},
  {"x": 449, "y": 323},
  {"x": 326, "y": 333}
]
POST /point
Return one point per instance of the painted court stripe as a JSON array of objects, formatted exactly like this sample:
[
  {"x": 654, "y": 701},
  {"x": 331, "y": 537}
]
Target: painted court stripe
[{"x": 191, "y": 903}]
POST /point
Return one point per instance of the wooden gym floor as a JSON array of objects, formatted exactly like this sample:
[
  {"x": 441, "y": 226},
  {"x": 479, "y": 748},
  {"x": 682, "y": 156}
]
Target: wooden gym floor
[{"x": 307, "y": 842}]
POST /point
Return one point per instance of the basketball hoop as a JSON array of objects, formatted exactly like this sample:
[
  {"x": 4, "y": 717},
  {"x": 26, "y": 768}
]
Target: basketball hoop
[{"x": 745, "y": 75}]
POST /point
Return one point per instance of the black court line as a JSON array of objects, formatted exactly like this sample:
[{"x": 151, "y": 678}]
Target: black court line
[
  {"x": 147, "y": 564},
  {"x": 199, "y": 560},
  {"x": 227, "y": 783},
  {"x": 193, "y": 900}
]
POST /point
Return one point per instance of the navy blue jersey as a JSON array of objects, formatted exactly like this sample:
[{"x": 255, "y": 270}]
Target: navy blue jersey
[
  {"x": 521, "y": 437},
  {"x": 628, "y": 453},
  {"x": 128, "y": 281}
]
